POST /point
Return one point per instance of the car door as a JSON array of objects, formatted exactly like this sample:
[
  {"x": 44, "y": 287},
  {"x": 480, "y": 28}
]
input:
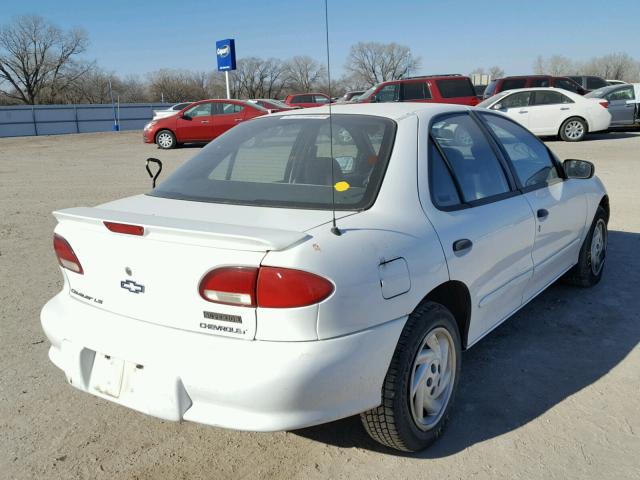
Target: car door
[
  {"x": 195, "y": 124},
  {"x": 226, "y": 115},
  {"x": 485, "y": 226},
  {"x": 558, "y": 205},
  {"x": 415, "y": 91},
  {"x": 515, "y": 106},
  {"x": 621, "y": 106},
  {"x": 547, "y": 111}
]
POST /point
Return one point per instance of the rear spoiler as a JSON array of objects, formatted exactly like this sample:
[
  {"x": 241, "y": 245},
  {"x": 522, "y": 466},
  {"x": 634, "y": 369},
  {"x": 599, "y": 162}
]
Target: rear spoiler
[{"x": 222, "y": 235}]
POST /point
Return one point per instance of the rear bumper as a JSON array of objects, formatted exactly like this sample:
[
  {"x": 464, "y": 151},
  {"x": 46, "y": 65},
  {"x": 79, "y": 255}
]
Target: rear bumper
[{"x": 239, "y": 384}]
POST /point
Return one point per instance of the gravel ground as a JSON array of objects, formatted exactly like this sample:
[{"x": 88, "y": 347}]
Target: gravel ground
[{"x": 553, "y": 393}]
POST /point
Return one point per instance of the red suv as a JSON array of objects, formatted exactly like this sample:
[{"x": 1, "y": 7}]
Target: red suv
[
  {"x": 307, "y": 100},
  {"x": 200, "y": 122},
  {"x": 430, "y": 88},
  {"x": 528, "y": 81}
]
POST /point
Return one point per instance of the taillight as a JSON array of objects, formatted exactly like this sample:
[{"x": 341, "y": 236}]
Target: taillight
[
  {"x": 604, "y": 104},
  {"x": 66, "y": 257},
  {"x": 231, "y": 286},
  {"x": 267, "y": 287},
  {"x": 124, "y": 228},
  {"x": 287, "y": 288}
]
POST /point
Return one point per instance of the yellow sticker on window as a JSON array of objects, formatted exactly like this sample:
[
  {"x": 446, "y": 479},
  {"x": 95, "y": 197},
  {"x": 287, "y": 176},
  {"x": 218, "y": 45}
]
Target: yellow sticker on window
[{"x": 342, "y": 186}]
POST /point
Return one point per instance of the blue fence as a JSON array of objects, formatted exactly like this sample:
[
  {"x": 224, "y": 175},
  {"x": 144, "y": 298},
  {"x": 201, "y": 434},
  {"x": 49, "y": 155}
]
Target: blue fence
[{"x": 18, "y": 121}]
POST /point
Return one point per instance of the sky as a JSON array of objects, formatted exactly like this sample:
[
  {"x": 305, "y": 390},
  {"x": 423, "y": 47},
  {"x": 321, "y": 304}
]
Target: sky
[{"x": 137, "y": 37}]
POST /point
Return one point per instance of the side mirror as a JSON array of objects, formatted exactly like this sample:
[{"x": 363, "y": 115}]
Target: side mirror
[
  {"x": 184, "y": 116},
  {"x": 497, "y": 106},
  {"x": 374, "y": 99},
  {"x": 578, "y": 169}
]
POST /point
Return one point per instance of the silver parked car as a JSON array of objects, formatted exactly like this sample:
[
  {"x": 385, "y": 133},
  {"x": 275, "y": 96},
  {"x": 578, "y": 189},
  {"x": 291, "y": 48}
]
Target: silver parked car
[{"x": 623, "y": 103}]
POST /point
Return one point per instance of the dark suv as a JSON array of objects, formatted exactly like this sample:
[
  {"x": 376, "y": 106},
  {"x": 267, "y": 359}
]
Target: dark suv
[
  {"x": 589, "y": 82},
  {"x": 429, "y": 88},
  {"x": 527, "y": 81}
]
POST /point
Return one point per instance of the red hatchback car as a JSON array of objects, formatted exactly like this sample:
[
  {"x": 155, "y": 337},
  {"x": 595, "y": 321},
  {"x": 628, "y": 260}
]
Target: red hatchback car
[
  {"x": 429, "y": 88},
  {"x": 305, "y": 100},
  {"x": 200, "y": 122}
]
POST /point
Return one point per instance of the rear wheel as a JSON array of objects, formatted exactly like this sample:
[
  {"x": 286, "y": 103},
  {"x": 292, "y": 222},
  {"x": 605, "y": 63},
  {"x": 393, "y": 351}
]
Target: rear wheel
[
  {"x": 166, "y": 140},
  {"x": 421, "y": 382},
  {"x": 573, "y": 129}
]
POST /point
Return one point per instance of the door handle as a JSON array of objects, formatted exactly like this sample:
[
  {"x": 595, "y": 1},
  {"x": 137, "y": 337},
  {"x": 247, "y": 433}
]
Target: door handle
[
  {"x": 238, "y": 119},
  {"x": 542, "y": 213},
  {"x": 464, "y": 244},
  {"x": 564, "y": 108},
  {"x": 523, "y": 111},
  {"x": 204, "y": 121}
]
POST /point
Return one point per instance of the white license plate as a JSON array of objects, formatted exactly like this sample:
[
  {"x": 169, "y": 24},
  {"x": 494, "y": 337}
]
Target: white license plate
[{"x": 106, "y": 375}]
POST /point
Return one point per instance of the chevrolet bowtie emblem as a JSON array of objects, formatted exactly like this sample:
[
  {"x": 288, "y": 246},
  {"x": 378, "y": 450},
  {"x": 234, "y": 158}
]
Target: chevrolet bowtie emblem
[{"x": 132, "y": 286}]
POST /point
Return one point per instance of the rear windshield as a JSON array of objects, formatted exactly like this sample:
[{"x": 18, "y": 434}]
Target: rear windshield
[
  {"x": 290, "y": 161},
  {"x": 456, "y": 87}
]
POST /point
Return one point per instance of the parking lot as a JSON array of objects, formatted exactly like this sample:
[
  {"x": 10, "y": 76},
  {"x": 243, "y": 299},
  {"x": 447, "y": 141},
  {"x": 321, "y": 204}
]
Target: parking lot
[{"x": 552, "y": 393}]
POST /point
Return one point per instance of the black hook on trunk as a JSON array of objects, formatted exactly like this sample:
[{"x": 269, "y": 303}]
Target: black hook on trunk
[{"x": 154, "y": 177}]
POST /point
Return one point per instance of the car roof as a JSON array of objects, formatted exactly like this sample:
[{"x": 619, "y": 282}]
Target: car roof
[
  {"x": 543, "y": 89},
  {"x": 394, "y": 111}
]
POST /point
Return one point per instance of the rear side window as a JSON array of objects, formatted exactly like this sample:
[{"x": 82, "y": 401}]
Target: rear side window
[
  {"x": 567, "y": 85},
  {"x": 415, "y": 91},
  {"x": 529, "y": 157},
  {"x": 594, "y": 83},
  {"x": 542, "y": 97},
  {"x": 540, "y": 82},
  {"x": 302, "y": 99},
  {"x": 476, "y": 168},
  {"x": 455, "y": 87},
  {"x": 321, "y": 99},
  {"x": 443, "y": 190},
  {"x": 511, "y": 83},
  {"x": 226, "y": 108}
]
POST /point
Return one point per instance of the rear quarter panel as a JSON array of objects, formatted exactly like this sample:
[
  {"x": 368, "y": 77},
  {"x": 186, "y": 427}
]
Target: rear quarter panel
[{"x": 394, "y": 227}]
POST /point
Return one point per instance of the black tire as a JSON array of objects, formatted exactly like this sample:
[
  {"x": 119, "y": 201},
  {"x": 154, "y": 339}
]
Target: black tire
[
  {"x": 582, "y": 274},
  {"x": 166, "y": 140},
  {"x": 573, "y": 129},
  {"x": 393, "y": 423}
]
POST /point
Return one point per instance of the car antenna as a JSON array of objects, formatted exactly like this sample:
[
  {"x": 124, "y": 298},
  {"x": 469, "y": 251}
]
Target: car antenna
[{"x": 334, "y": 228}]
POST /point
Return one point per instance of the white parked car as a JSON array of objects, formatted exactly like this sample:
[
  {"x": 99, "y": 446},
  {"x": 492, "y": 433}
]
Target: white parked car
[
  {"x": 225, "y": 296},
  {"x": 552, "y": 111},
  {"x": 172, "y": 110}
]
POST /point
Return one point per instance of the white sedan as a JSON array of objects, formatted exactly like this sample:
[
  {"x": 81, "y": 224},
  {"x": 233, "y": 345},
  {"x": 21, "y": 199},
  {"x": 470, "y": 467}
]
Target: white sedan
[
  {"x": 552, "y": 111},
  {"x": 227, "y": 296},
  {"x": 172, "y": 110}
]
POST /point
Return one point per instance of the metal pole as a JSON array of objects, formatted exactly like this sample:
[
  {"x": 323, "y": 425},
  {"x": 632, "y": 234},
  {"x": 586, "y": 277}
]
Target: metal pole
[
  {"x": 226, "y": 77},
  {"x": 113, "y": 105},
  {"x": 35, "y": 123}
]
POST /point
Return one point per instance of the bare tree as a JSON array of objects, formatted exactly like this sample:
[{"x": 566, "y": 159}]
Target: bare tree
[
  {"x": 303, "y": 73},
  {"x": 36, "y": 55},
  {"x": 619, "y": 66},
  {"x": 495, "y": 72},
  {"x": 259, "y": 78},
  {"x": 177, "y": 86},
  {"x": 372, "y": 62},
  {"x": 554, "y": 65}
]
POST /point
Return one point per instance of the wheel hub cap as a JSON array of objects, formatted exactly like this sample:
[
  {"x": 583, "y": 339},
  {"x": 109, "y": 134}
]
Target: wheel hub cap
[
  {"x": 432, "y": 378},
  {"x": 164, "y": 139},
  {"x": 598, "y": 247},
  {"x": 574, "y": 129}
]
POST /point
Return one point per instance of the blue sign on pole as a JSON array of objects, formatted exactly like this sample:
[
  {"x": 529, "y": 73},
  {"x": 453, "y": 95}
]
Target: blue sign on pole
[{"x": 226, "y": 54}]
